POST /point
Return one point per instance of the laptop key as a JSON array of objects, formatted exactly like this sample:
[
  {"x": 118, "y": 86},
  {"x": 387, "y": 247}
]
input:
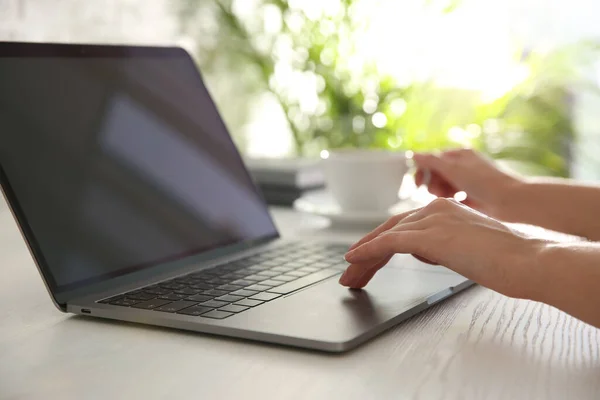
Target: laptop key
[
  {"x": 158, "y": 291},
  {"x": 285, "y": 259},
  {"x": 313, "y": 258},
  {"x": 271, "y": 263},
  {"x": 195, "y": 310},
  {"x": 233, "y": 276},
  {"x": 219, "y": 281},
  {"x": 189, "y": 291},
  {"x": 229, "y": 288},
  {"x": 249, "y": 303},
  {"x": 321, "y": 264},
  {"x": 282, "y": 269},
  {"x": 229, "y": 298},
  {"x": 176, "y": 306},
  {"x": 265, "y": 296},
  {"x": 214, "y": 304},
  {"x": 111, "y": 299},
  {"x": 268, "y": 273},
  {"x": 258, "y": 267},
  {"x": 140, "y": 296},
  {"x": 202, "y": 286},
  {"x": 200, "y": 298},
  {"x": 255, "y": 278},
  {"x": 246, "y": 271},
  {"x": 233, "y": 308},
  {"x": 214, "y": 293},
  {"x": 269, "y": 282},
  {"x": 244, "y": 293},
  {"x": 284, "y": 278},
  {"x": 124, "y": 302},
  {"x": 240, "y": 275},
  {"x": 198, "y": 275},
  {"x": 151, "y": 304},
  {"x": 242, "y": 282},
  {"x": 258, "y": 288},
  {"x": 295, "y": 264},
  {"x": 342, "y": 266},
  {"x": 308, "y": 269},
  {"x": 173, "y": 296},
  {"x": 173, "y": 286},
  {"x": 298, "y": 274},
  {"x": 217, "y": 314},
  {"x": 304, "y": 281}
]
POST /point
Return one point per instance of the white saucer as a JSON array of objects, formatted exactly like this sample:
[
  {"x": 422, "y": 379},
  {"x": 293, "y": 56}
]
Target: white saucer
[{"x": 321, "y": 203}]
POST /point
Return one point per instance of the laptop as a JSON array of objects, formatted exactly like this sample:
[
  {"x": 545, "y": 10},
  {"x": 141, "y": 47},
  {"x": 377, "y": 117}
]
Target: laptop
[{"x": 136, "y": 206}]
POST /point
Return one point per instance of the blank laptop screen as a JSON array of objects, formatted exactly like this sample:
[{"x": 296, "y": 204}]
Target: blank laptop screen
[{"x": 121, "y": 162}]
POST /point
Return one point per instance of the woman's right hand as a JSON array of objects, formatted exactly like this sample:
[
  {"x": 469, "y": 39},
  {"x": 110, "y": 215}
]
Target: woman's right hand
[{"x": 487, "y": 187}]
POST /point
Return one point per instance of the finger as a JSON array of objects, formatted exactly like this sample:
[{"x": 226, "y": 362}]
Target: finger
[
  {"x": 357, "y": 276},
  {"x": 454, "y": 153},
  {"x": 437, "y": 184},
  {"x": 429, "y": 161},
  {"x": 403, "y": 242},
  {"x": 390, "y": 223},
  {"x": 355, "y": 271},
  {"x": 439, "y": 187},
  {"x": 367, "y": 276},
  {"x": 420, "y": 176},
  {"x": 442, "y": 165}
]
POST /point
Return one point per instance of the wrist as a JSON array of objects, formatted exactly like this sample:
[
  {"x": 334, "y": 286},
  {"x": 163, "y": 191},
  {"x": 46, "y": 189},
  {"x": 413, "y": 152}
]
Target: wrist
[
  {"x": 529, "y": 282},
  {"x": 509, "y": 191},
  {"x": 540, "y": 279}
]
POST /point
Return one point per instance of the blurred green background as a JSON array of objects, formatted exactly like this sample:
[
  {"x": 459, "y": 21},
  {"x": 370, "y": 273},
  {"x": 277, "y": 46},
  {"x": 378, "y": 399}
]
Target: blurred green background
[
  {"x": 314, "y": 60},
  {"x": 514, "y": 78}
]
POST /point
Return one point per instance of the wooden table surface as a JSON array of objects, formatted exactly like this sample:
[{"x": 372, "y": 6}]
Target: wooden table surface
[{"x": 476, "y": 345}]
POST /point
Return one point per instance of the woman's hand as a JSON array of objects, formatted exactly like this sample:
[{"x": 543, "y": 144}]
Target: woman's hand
[
  {"x": 450, "y": 234},
  {"x": 487, "y": 188}
]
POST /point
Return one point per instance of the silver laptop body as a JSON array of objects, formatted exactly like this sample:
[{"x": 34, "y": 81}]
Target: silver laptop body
[{"x": 136, "y": 206}]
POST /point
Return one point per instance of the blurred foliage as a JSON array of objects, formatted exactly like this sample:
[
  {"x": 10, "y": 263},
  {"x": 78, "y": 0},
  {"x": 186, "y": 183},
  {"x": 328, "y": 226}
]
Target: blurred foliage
[{"x": 355, "y": 105}]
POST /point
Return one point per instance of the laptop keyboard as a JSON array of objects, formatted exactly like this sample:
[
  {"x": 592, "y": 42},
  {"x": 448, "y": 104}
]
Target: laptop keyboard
[{"x": 232, "y": 288}]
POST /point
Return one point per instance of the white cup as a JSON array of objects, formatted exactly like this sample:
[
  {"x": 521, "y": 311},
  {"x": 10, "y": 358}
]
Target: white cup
[{"x": 365, "y": 180}]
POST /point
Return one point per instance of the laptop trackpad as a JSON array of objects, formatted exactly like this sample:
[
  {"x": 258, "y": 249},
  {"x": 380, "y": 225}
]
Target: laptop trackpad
[{"x": 332, "y": 313}]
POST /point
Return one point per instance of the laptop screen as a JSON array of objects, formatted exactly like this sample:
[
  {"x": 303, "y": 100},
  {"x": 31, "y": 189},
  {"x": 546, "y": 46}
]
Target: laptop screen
[{"x": 119, "y": 160}]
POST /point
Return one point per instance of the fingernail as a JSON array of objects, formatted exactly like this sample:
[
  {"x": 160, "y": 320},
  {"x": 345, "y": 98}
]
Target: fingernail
[
  {"x": 344, "y": 278},
  {"x": 349, "y": 255}
]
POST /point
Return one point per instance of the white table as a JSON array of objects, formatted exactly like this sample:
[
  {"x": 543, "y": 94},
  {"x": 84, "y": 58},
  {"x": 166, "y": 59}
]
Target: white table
[{"x": 476, "y": 345}]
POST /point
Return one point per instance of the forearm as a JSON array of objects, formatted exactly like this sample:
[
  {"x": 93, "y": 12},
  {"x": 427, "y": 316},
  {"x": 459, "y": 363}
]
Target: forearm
[
  {"x": 568, "y": 278},
  {"x": 559, "y": 205}
]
